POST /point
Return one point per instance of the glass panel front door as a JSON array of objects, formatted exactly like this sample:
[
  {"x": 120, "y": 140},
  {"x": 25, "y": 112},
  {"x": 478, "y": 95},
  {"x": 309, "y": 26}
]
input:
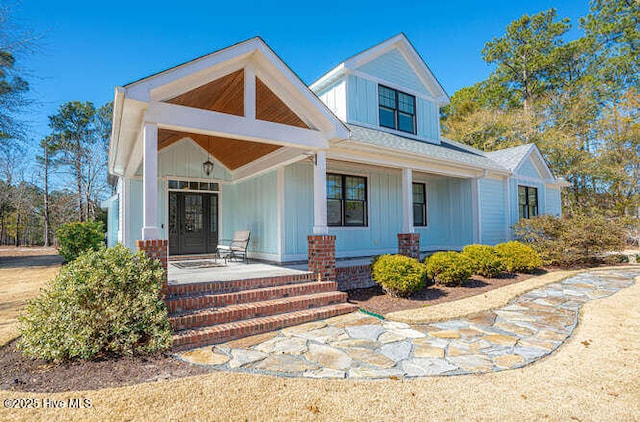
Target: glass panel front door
[{"x": 193, "y": 222}]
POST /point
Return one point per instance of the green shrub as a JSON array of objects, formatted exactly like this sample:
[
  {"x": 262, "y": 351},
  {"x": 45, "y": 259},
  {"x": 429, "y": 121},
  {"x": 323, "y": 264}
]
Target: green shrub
[
  {"x": 572, "y": 240},
  {"x": 76, "y": 238},
  {"x": 485, "y": 259},
  {"x": 518, "y": 257},
  {"x": 449, "y": 268},
  {"x": 398, "y": 275},
  {"x": 616, "y": 258},
  {"x": 104, "y": 302},
  {"x": 637, "y": 258}
]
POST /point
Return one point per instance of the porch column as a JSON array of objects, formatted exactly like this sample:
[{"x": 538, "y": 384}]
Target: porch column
[
  {"x": 408, "y": 240},
  {"x": 407, "y": 200},
  {"x": 320, "y": 194},
  {"x": 150, "y": 182},
  {"x": 475, "y": 209}
]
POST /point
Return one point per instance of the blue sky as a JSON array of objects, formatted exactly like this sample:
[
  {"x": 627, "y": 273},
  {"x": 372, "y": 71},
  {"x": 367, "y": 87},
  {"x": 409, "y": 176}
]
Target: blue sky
[{"x": 87, "y": 48}]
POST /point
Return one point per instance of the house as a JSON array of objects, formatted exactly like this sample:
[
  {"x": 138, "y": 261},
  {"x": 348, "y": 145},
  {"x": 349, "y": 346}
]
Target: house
[{"x": 355, "y": 164}]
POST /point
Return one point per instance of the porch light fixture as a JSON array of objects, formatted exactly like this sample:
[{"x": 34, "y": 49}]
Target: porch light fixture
[{"x": 207, "y": 166}]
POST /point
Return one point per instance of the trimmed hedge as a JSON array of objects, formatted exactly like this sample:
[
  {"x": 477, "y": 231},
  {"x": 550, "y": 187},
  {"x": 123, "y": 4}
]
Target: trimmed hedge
[
  {"x": 398, "y": 275},
  {"x": 76, "y": 238},
  {"x": 105, "y": 302},
  {"x": 449, "y": 268},
  {"x": 518, "y": 257},
  {"x": 486, "y": 261}
]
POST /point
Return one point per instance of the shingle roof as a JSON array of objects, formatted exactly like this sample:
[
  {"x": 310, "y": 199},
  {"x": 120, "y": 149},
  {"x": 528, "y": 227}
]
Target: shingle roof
[
  {"x": 448, "y": 150},
  {"x": 510, "y": 157}
]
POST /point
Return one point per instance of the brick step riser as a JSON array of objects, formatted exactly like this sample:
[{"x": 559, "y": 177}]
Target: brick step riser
[
  {"x": 229, "y": 286},
  {"x": 197, "y": 339},
  {"x": 259, "y": 309},
  {"x": 248, "y": 296}
]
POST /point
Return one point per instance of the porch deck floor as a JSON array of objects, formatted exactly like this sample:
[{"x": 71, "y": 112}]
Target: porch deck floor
[{"x": 230, "y": 271}]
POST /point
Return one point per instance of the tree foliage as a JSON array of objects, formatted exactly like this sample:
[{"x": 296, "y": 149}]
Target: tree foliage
[{"x": 576, "y": 100}]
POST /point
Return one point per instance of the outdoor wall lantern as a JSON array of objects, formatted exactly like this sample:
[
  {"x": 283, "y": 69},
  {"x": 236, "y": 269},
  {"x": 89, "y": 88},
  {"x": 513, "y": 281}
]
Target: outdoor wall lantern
[{"x": 207, "y": 166}]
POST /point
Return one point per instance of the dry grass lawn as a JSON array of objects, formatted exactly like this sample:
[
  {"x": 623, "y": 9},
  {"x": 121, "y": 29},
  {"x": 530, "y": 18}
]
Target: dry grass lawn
[
  {"x": 23, "y": 271},
  {"x": 594, "y": 376}
]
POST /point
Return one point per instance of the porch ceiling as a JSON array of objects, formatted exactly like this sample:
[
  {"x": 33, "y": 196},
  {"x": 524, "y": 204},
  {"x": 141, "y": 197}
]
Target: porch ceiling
[{"x": 233, "y": 153}]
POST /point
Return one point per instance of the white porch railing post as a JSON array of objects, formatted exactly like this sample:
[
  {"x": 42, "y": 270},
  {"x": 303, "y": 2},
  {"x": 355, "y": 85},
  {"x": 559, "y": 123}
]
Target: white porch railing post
[
  {"x": 320, "y": 194},
  {"x": 150, "y": 229},
  {"x": 407, "y": 200}
]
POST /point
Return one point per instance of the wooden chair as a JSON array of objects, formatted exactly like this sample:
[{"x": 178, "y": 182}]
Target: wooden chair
[{"x": 236, "y": 248}]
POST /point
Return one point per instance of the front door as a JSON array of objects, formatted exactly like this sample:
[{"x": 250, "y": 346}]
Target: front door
[{"x": 193, "y": 222}]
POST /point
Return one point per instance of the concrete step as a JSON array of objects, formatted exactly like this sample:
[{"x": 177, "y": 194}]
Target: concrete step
[
  {"x": 204, "y": 301},
  {"x": 212, "y": 316},
  {"x": 225, "y": 286},
  {"x": 230, "y": 331}
]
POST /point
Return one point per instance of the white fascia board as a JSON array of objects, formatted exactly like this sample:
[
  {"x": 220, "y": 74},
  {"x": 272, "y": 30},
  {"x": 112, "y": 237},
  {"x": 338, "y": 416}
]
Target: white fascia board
[
  {"x": 188, "y": 119},
  {"x": 116, "y": 122},
  {"x": 538, "y": 162},
  {"x": 328, "y": 78},
  {"x": 478, "y": 171},
  {"x": 141, "y": 89},
  {"x": 399, "y": 161}
]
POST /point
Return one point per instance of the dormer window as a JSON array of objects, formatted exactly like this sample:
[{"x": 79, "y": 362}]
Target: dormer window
[{"x": 397, "y": 110}]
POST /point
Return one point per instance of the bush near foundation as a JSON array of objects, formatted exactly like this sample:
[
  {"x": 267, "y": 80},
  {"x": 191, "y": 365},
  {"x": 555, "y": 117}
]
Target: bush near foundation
[
  {"x": 567, "y": 241},
  {"x": 76, "y": 238},
  {"x": 485, "y": 259},
  {"x": 105, "y": 302},
  {"x": 398, "y": 275},
  {"x": 449, "y": 268},
  {"x": 518, "y": 257}
]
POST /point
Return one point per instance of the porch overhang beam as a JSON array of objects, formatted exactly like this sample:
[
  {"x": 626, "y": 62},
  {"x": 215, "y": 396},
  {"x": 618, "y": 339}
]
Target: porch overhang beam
[
  {"x": 276, "y": 159},
  {"x": 188, "y": 119}
]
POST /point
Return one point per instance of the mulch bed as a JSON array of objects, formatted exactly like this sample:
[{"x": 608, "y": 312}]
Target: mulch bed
[
  {"x": 373, "y": 299},
  {"x": 24, "y": 374}
]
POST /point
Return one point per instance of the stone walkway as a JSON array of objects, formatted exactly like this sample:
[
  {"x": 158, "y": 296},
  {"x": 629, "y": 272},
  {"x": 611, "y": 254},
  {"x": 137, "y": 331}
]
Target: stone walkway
[{"x": 360, "y": 346}]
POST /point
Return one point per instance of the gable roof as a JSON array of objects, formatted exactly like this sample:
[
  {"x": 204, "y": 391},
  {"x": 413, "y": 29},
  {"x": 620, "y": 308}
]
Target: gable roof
[
  {"x": 401, "y": 43},
  {"x": 513, "y": 158}
]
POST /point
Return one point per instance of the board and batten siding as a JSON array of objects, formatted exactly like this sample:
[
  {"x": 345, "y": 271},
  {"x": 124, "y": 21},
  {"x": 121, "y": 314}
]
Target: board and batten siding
[
  {"x": 252, "y": 205},
  {"x": 527, "y": 169},
  {"x": 393, "y": 67},
  {"x": 493, "y": 211},
  {"x": 553, "y": 203},
  {"x": 184, "y": 159},
  {"x": 514, "y": 182},
  {"x": 335, "y": 97},
  {"x": 449, "y": 216},
  {"x": 450, "y": 224}
]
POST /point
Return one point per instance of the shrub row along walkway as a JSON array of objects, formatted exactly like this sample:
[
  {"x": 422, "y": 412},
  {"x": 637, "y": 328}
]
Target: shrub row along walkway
[{"x": 360, "y": 346}]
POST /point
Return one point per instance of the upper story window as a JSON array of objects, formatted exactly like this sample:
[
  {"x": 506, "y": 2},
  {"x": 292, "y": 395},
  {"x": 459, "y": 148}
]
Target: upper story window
[
  {"x": 527, "y": 201},
  {"x": 346, "y": 200},
  {"x": 396, "y": 109}
]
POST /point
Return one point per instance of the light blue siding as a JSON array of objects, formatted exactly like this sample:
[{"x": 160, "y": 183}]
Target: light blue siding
[
  {"x": 252, "y": 205},
  {"x": 449, "y": 217},
  {"x": 113, "y": 218},
  {"x": 335, "y": 97},
  {"x": 528, "y": 169},
  {"x": 427, "y": 116},
  {"x": 184, "y": 159},
  {"x": 513, "y": 193},
  {"x": 394, "y": 68},
  {"x": 448, "y": 208},
  {"x": 553, "y": 205},
  {"x": 362, "y": 101},
  {"x": 493, "y": 212},
  {"x": 134, "y": 211}
]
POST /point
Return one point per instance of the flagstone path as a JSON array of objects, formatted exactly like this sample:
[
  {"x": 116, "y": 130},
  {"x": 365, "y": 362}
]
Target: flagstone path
[{"x": 360, "y": 346}]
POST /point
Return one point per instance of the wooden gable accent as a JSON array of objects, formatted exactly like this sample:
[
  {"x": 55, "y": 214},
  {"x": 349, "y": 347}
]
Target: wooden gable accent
[
  {"x": 225, "y": 95},
  {"x": 233, "y": 153},
  {"x": 271, "y": 108}
]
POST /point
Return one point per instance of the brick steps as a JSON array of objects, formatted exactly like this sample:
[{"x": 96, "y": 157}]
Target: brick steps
[
  {"x": 189, "y": 303},
  {"x": 177, "y": 290},
  {"x": 225, "y": 332},
  {"x": 242, "y": 311}
]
